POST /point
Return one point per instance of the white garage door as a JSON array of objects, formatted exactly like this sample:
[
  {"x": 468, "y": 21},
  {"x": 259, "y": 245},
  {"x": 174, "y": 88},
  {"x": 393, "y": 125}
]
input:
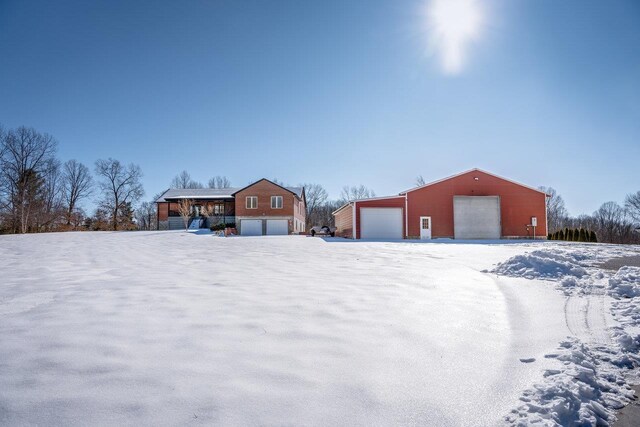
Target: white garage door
[
  {"x": 381, "y": 223},
  {"x": 277, "y": 227},
  {"x": 251, "y": 227},
  {"x": 476, "y": 217}
]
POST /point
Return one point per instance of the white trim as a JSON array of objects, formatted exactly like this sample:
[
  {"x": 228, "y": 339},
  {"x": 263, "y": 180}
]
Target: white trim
[
  {"x": 194, "y": 198},
  {"x": 355, "y": 234},
  {"x": 406, "y": 217},
  {"x": 546, "y": 214},
  {"x": 378, "y": 198},
  {"x": 469, "y": 171},
  {"x": 246, "y": 202},
  {"x": 365, "y": 200},
  {"x": 281, "y": 202}
]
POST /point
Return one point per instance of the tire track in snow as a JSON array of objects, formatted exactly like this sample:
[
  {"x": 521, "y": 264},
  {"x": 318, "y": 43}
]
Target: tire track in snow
[{"x": 585, "y": 316}]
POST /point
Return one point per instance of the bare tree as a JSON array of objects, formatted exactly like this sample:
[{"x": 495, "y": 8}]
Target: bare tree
[
  {"x": 120, "y": 186},
  {"x": 609, "y": 219},
  {"x": 420, "y": 181},
  {"x": 76, "y": 185},
  {"x": 556, "y": 211},
  {"x": 632, "y": 204},
  {"x": 184, "y": 209},
  {"x": 324, "y": 213},
  {"x": 146, "y": 215},
  {"x": 183, "y": 180},
  {"x": 4, "y": 193},
  {"x": 316, "y": 197},
  {"x": 49, "y": 207},
  {"x": 355, "y": 193},
  {"x": 26, "y": 157},
  {"x": 219, "y": 182}
]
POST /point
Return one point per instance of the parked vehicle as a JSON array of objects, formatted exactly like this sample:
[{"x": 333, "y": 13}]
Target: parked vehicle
[{"x": 323, "y": 230}]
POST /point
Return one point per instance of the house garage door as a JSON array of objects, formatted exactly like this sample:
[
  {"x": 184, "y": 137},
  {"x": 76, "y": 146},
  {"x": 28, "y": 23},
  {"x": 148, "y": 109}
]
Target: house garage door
[
  {"x": 277, "y": 227},
  {"x": 476, "y": 217},
  {"x": 381, "y": 223},
  {"x": 251, "y": 227}
]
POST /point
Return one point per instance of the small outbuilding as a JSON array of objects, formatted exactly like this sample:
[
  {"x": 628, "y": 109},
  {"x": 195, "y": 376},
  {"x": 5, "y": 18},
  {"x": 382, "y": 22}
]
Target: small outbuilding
[{"x": 471, "y": 205}]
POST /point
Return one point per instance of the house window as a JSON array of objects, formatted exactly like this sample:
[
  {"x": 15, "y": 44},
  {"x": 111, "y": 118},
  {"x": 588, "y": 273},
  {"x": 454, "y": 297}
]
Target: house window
[
  {"x": 252, "y": 202},
  {"x": 218, "y": 209},
  {"x": 276, "y": 202},
  {"x": 425, "y": 223}
]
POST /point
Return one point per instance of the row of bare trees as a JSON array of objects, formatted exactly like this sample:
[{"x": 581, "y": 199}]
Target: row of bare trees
[
  {"x": 612, "y": 222},
  {"x": 40, "y": 193},
  {"x": 183, "y": 180},
  {"x": 320, "y": 208}
]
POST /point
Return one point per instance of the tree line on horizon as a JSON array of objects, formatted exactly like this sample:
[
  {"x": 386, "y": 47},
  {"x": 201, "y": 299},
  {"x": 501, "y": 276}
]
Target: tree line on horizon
[
  {"x": 610, "y": 223},
  {"x": 40, "y": 193}
]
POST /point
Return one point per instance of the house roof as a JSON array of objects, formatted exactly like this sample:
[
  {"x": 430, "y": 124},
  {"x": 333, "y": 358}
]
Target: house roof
[
  {"x": 217, "y": 193},
  {"x": 297, "y": 191},
  {"x": 469, "y": 171},
  {"x": 197, "y": 193}
]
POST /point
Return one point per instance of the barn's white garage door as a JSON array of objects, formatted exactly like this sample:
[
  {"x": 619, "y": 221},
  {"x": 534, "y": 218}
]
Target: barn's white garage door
[
  {"x": 279, "y": 227},
  {"x": 381, "y": 223},
  {"x": 476, "y": 217},
  {"x": 251, "y": 227}
]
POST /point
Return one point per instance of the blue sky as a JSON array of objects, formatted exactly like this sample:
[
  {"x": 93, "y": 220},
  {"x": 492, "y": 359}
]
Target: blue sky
[{"x": 333, "y": 92}]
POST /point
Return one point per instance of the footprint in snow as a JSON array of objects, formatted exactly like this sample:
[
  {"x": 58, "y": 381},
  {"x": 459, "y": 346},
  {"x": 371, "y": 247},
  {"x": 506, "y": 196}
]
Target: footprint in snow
[{"x": 528, "y": 360}]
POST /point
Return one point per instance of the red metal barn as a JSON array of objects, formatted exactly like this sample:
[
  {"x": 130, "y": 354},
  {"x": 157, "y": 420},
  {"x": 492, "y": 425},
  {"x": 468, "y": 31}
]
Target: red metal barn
[{"x": 471, "y": 205}]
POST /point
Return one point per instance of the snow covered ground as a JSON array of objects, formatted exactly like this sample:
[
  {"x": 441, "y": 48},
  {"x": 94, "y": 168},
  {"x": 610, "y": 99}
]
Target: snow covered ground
[{"x": 170, "y": 328}]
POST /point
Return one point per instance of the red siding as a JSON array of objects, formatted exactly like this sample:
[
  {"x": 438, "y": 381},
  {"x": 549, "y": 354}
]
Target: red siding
[{"x": 517, "y": 204}]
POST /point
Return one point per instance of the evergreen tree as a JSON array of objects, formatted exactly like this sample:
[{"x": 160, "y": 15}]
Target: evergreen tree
[
  {"x": 561, "y": 235},
  {"x": 570, "y": 235},
  {"x": 592, "y": 237},
  {"x": 549, "y": 236},
  {"x": 583, "y": 235}
]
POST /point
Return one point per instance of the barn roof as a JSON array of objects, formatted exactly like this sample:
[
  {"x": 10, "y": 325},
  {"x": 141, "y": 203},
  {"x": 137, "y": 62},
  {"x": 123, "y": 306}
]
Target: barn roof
[{"x": 470, "y": 171}]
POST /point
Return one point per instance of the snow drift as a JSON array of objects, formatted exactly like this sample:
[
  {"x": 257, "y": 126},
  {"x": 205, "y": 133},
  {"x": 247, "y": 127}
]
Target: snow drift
[
  {"x": 542, "y": 264},
  {"x": 591, "y": 383},
  {"x": 625, "y": 283}
]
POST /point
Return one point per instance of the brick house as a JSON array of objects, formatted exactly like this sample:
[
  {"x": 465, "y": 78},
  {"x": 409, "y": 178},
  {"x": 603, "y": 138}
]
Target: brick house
[
  {"x": 260, "y": 208},
  {"x": 471, "y": 205}
]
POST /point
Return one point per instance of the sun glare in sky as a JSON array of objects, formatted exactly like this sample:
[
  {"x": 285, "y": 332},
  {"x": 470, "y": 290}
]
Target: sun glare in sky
[{"x": 451, "y": 27}]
